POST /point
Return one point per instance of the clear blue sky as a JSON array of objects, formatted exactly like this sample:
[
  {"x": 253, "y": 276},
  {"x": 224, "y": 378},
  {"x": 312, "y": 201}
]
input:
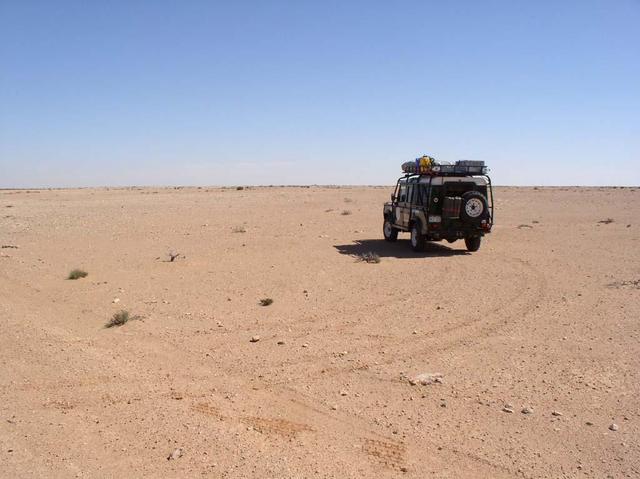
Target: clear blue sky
[{"x": 285, "y": 92}]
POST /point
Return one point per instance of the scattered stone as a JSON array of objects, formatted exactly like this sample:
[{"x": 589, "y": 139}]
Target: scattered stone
[
  {"x": 177, "y": 453},
  {"x": 280, "y": 343},
  {"x": 116, "y": 300},
  {"x": 556, "y": 413},
  {"x": 426, "y": 379},
  {"x": 589, "y": 423},
  {"x": 343, "y": 393},
  {"x": 527, "y": 410},
  {"x": 255, "y": 339},
  {"x": 305, "y": 345},
  {"x": 507, "y": 408},
  {"x": 334, "y": 408},
  {"x": 614, "y": 427}
]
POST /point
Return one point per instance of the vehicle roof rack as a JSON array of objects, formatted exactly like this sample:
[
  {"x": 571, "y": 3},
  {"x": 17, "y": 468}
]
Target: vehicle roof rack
[{"x": 429, "y": 167}]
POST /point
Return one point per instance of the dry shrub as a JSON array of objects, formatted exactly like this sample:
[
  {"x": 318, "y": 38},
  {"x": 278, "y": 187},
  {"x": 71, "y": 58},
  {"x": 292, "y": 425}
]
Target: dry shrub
[
  {"x": 369, "y": 257},
  {"x": 120, "y": 318},
  {"x": 77, "y": 274}
]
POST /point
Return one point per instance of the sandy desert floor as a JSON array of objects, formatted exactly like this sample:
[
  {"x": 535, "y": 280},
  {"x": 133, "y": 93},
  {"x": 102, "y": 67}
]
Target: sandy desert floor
[{"x": 543, "y": 321}]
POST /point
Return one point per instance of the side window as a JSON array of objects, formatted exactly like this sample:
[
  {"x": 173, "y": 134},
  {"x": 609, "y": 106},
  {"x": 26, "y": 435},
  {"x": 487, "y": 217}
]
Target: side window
[
  {"x": 410, "y": 188},
  {"x": 402, "y": 195}
]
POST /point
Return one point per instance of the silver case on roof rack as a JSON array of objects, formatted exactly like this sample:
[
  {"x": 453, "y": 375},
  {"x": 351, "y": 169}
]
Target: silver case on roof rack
[
  {"x": 470, "y": 163},
  {"x": 446, "y": 168},
  {"x": 471, "y": 170}
]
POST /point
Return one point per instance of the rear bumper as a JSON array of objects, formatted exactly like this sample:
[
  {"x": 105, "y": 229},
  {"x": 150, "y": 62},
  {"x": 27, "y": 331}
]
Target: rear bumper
[{"x": 458, "y": 231}]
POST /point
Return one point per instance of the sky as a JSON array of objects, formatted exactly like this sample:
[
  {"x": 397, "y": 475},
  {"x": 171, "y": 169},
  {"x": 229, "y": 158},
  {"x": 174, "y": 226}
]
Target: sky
[{"x": 117, "y": 93}]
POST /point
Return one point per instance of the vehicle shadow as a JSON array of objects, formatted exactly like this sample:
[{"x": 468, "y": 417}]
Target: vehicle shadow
[{"x": 399, "y": 249}]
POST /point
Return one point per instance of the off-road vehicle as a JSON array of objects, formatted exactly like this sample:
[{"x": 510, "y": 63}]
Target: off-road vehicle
[{"x": 437, "y": 202}]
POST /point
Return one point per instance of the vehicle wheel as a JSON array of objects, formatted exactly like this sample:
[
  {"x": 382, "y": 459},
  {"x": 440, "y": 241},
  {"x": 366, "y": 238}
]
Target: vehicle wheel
[
  {"x": 390, "y": 233},
  {"x": 475, "y": 207},
  {"x": 418, "y": 241},
  {"x": 473, "y": 243}
]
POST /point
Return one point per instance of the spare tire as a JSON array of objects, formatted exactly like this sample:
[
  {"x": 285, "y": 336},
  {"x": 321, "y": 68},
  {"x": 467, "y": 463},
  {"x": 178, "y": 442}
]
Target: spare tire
[{"x": 475, "y": 207}]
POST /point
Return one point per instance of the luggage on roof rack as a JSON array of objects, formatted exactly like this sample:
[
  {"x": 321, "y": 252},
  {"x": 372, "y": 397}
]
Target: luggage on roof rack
[
  {"x": 422, "y": 165},
  {"x": 425, "y": 165}
]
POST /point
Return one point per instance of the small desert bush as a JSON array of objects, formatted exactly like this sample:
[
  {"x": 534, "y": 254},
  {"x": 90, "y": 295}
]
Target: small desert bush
[
  {"x": 266, "y": 301},
  {"x": 369, "y": 257},
  {"x": 606, "y": 222},
  {"x": 120, "y": 318},
  {"x": 239, "y": 229},
  {"x": 345, "y": 212},
  {"x": 77, "y": 274}
]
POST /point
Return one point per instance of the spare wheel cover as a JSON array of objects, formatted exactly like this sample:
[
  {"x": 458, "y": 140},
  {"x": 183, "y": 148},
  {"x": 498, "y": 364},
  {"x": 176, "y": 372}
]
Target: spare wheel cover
[{"x": 474, "y": 207}]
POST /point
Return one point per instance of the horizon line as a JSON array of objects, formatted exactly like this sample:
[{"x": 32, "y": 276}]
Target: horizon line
[{"x": 312, "y": 185}]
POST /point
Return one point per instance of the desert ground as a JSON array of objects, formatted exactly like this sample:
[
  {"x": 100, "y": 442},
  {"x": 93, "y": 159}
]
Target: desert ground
[{"x": 536, "y": 337}]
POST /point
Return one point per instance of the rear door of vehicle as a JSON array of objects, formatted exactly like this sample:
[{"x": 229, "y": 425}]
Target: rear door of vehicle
[{"x": 452, "y": 194}]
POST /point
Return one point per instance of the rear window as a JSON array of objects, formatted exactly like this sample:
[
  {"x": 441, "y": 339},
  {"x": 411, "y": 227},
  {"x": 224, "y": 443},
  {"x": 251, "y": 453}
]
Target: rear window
[{"x": 458, "y": 189}]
